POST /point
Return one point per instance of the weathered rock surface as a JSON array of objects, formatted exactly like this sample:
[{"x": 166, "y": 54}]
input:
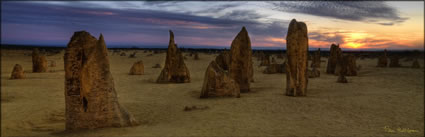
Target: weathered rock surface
[
  {"x": 90, "y": 97},
  {"x": 137, "y": 68},
  {"x": 297, "y": 54},
  {"x": 240, "y": 68},
  {"x": 347, "y": 64},
  {"x": 17, "y": 72},
  {"x": 175, "y": 70},
  {"x": 223, "y": 60},
  {"x": 218, "y": 83},
  {"x": 39, "y": 62}
]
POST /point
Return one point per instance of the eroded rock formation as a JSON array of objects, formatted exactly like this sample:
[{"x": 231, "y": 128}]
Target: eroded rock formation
[
  {"x": 137, "y": 68},
  {"x": 240, "y": 68},
  {"x": 39, "y": 62},
  {"x": 218, "y": 83},
  {"x": 90, "y": 97},
  {"x": 297, "y": 54},
  {"x": 223, "y": 60},
  {"x": 17, "y": 72},
  {"x": 175, "y": 70},
  {"x": 334, "y": 57},
  {"x": 315, "y": 63}
]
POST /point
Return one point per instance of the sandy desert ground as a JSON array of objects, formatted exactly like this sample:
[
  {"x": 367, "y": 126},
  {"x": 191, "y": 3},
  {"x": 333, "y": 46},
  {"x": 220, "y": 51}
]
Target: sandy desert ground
[{"x": 378, "y": 102}]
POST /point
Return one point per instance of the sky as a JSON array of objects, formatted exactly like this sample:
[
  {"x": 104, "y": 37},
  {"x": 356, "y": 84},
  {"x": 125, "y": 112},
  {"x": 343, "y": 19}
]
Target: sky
[{"x": 355, "y": 25}]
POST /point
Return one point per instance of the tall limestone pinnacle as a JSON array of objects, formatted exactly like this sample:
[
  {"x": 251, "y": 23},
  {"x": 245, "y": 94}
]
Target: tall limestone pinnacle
[
  {"x": 90, "y": 97},
  {"x": 240, "y": 67},
  {"x": 297, "y": 54},
  {"x": 175, "y": 70}
]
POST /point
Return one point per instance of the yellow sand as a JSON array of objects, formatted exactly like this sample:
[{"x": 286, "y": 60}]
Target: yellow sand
[{"x": 378, "y": 102}]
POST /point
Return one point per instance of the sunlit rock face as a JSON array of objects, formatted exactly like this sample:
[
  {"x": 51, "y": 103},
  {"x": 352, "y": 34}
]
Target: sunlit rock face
[
  {"x": 217, "y": 83},
  {"x": 297, "y": 63},
  {"x": 175, "y": 70},
  {"x": 90, "y": 97}
]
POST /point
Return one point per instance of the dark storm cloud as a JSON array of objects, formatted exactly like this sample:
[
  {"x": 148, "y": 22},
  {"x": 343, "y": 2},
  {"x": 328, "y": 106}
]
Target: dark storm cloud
[
  {"x": 67, "y": 19},
  {"x": 366, "y": 11}
]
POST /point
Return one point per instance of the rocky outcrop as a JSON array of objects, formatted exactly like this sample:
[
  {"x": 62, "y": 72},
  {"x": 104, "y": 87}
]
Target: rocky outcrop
[
  {"x": 240, "y": 68},
  {"x": 334, "y": 57},
  {"x": 175, "y": 70},
  {"x": 347, "y": 64},
  {"x": 137, "y": 68},
  {"x": 17, "y": 72},
  {"x": 90, "y": 97},
  {"x": 315, "y": 63},
  {"x": 297, "y": 54},
  {"x": 39, "y": 62},
  {"x": 223, "y": 60},
  {"x": 218, "y": 83}
]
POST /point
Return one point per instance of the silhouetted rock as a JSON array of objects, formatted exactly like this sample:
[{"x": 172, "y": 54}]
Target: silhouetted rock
[
  {"x": 347, "y": 64},
  {"x": 218, "y": 83},
  {"x": 240, "y": 68},
  {"x": 175, "y": 70},
  {"x": 17, "y": 72},
  {"x": 383, "y": 60},
  {"x": 297, "y": 53},
  {"x": 137, "y": 68},
  {"x": 415, "y": 64},
  {"x": 334, "y": 57},
  {"x": 394, "y": 62},
  {"x": 90, "y": 96},
  {"x": 315, "y": 63}
]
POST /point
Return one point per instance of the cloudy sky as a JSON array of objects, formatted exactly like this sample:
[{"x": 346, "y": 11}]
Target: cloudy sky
[{"x": 354, "y": 25}]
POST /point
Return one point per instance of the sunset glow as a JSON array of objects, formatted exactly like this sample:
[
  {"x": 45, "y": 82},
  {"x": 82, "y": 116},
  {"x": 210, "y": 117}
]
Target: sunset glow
[{"x": 356, "y": 25}]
